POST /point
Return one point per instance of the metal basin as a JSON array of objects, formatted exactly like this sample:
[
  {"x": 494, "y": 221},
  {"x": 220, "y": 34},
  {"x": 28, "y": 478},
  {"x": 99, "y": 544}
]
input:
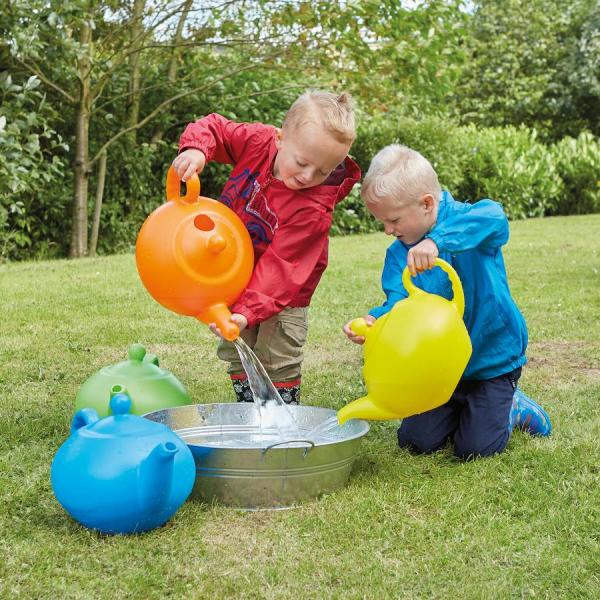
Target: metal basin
[{"x": 268, "y": 471}]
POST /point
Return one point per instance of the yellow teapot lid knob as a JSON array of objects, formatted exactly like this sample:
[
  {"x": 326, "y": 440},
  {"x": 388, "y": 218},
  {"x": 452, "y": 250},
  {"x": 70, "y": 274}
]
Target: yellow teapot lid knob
[{"x": 359, "y": 326}]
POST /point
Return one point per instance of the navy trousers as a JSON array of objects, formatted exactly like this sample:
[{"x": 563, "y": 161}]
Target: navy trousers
[{"x": 476, "y": 418}]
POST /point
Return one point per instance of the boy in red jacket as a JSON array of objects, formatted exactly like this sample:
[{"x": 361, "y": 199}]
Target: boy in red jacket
[{"x": 284, "y": 186}]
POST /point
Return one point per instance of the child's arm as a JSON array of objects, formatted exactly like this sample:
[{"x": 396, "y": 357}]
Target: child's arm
[
  {"x": 479, "y": 225},
  {"x": 216, "y": 138},
  {"x": 391, "y": 282},
  {"x": 285, "y": 267}
]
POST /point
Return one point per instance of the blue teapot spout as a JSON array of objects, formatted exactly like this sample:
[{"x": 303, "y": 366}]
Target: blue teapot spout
[{"x": 156, "y": 477}]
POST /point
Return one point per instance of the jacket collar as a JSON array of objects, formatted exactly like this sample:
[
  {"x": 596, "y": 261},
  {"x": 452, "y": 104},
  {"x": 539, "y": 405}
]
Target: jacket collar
[{"x": 445, "y": 199}]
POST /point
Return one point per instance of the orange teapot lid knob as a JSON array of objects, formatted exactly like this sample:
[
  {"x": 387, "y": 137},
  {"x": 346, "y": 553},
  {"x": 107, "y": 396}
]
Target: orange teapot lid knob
[{"x": 216, "y": 243}]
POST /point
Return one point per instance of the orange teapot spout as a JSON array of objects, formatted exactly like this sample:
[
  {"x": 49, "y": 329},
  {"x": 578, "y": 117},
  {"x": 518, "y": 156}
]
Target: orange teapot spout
[{"x": 194, "y": 255}]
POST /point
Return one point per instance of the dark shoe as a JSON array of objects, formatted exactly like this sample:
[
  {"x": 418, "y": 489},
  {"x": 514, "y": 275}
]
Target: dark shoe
[
  {"x": 290, "y": 394},
  {"x": 242, "y": 390}
]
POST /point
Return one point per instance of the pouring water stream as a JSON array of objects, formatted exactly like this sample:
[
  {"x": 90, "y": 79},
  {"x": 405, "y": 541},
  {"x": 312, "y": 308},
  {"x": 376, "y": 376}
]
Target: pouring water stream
[{"x": 272, "y": 410}]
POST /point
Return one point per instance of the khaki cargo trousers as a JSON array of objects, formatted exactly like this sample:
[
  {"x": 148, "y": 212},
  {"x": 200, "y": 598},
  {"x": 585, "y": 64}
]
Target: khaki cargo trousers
[{"x": 277, "y": 343}]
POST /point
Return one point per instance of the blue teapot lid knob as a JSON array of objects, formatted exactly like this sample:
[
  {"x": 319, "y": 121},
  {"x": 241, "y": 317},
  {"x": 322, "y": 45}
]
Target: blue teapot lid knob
[{"x": 120, "y": 404}]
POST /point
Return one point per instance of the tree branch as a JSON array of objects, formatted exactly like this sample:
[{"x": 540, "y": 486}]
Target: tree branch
[
  {"x": 38, "y": 73},
  {"x": 163, "y": 105},
  {"x": 134, "y": 48},
  {"x": 294, "y": 86},
  {"x": 111, "y": 99}
]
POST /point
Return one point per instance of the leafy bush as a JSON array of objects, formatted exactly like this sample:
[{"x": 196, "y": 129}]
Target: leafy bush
[
  {"x": 578, "y": 163},
  {"x": 352, "y": 216},
  {"x": 511, "y": 166},
  {"x": 33, "y": 160},
  {"x": 437, "y": 139},
  {"x": 507, "y": 164}
]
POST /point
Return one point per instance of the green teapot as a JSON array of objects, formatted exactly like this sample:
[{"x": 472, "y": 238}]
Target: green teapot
[{"x": 148, "y": 386}]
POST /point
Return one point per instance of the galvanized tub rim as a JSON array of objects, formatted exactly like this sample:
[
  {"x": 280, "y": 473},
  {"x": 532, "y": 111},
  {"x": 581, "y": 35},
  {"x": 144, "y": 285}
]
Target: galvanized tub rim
[{"x": 269, "y": 476}]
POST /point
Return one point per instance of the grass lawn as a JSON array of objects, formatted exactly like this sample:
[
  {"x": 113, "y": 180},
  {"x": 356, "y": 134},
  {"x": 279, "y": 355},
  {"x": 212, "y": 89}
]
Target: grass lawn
[{"x": 524, "y": 523}]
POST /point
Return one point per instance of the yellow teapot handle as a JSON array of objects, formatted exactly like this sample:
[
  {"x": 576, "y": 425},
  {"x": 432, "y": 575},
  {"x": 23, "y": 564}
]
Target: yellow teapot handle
[
  {"x": 459, "y": 297},
  {"x": 192, "y": 187}
]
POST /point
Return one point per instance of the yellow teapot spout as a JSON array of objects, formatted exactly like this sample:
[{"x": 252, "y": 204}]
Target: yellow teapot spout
[{"x": 364, "y": 408}]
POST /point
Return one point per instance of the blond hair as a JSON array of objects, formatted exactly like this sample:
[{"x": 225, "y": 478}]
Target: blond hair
[
  {"x": 400, "y": 173},
  {"x": 334, "y": 113}
]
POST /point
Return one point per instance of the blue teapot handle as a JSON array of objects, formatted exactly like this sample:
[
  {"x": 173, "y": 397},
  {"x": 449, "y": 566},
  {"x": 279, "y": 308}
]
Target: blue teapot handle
[{"x": 83, "y": 417}]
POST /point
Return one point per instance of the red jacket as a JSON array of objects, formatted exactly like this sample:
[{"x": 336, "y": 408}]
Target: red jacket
[{"x": 289, "y": 228}]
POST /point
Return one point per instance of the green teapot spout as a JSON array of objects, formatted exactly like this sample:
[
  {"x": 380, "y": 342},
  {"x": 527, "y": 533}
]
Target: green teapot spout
[{"x": 364, "y": 408}]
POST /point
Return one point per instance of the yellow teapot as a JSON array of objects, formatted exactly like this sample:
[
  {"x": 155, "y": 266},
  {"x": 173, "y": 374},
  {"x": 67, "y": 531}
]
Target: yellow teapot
[{"x": 414, "y": 356}]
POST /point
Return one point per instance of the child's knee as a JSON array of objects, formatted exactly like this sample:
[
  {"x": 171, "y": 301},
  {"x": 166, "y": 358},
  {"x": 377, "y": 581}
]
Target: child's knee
[
  {"x": 417, "y": 443},
  {"x": 469, "y": 448}
]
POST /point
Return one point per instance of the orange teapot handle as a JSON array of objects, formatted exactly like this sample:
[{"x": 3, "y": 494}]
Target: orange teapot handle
[
  {"x": 192, "y": 187},
  {"x": 459, "y": 297}
]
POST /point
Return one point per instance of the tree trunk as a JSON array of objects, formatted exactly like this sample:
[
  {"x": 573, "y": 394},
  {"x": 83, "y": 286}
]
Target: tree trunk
[
  {"x": 98, "y": 204},
  {"x": 172, "y": 71},
  {"x": 133, "y": 109},
  {"x": 79, "y": 223}
]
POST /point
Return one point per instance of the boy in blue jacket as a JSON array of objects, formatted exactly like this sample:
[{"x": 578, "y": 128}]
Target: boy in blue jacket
[{"x": 401, "y": 190}]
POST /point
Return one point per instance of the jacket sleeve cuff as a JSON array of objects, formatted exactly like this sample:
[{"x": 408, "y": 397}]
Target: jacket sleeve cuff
[
  {"x": 241, "y": 309},
  {"x": 379, "y": 311},
  {"x": 196, "y": 146}
]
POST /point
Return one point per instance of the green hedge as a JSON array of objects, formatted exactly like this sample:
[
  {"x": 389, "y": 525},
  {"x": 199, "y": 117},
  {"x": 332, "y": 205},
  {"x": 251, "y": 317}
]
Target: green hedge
[
  {"x": 508, "y": 164},
  {"x": 578, "y": 164}
]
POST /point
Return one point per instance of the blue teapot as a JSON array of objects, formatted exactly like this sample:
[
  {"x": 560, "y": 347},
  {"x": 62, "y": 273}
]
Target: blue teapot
[{"x": 123, "y": 473}]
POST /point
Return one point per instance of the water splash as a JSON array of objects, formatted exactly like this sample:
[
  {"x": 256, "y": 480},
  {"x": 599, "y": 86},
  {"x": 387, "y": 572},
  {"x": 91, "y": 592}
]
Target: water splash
[
  {"x": 276, "y": 422},
  {"x": 273, "y": 411},
  {"x": 330, "y": 429}
]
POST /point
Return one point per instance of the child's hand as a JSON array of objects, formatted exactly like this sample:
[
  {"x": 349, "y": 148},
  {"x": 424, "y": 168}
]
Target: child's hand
[
  {"x": 422, "y": 256},
  {"x": 238, "y": 319},
  {"x": 190, "y": 161},
  {"x": 357, "y": 339}
]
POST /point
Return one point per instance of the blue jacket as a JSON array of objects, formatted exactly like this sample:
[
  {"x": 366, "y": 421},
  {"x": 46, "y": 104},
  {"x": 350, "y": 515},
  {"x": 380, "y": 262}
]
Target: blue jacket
[{"x": 470, "y": 238}]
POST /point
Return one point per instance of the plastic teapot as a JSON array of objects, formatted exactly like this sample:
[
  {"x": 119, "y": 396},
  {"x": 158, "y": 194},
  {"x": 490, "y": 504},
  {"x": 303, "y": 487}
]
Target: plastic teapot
[
  {"x": 121, "y": 474},
  {"x": 194, "y": 255},
  {"x": 148, "y": 386},
  {"x": 414, "y": 356}
]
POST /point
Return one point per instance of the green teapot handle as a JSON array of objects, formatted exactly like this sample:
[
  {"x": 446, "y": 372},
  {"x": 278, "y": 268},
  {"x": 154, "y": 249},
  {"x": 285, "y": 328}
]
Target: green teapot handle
[{"x": 459, "y": 297}]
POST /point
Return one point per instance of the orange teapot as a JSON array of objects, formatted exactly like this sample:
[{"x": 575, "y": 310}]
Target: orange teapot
[{"x": 194, "y": 255}]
